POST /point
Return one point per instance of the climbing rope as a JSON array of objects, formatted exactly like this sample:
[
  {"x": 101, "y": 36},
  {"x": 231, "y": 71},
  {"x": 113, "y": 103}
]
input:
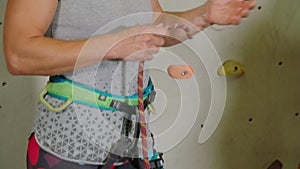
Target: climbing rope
[{"x": 143, "y": 127}]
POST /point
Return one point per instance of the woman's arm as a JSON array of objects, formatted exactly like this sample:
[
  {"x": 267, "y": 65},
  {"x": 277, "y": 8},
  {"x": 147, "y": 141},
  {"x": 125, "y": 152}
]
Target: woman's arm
[
  {"x": 29, "y": 52},
  {"x": 221, "y": 12}
]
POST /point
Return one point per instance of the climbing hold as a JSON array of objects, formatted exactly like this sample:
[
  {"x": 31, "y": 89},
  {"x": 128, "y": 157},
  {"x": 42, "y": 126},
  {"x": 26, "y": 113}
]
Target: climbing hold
[
  {"x": 180, "y": 71},
  {"x": 276, "y": 165},
  {"x": 231, "y": 68}
]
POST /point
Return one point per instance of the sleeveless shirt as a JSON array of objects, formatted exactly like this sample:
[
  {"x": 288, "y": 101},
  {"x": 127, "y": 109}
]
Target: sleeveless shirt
[{"x": 81, "y": 133}]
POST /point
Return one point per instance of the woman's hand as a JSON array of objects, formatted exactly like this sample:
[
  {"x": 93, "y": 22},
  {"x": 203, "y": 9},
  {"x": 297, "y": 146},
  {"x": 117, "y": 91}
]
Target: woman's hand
[
  {"x": 227, "y": 12},
  {"x": 138, "y": 43},
  {"x": 221, "y": 12}
]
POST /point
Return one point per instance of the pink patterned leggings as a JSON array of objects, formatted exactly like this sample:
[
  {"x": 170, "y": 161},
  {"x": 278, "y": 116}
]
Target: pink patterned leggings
[{"x": 37, "y": 158}]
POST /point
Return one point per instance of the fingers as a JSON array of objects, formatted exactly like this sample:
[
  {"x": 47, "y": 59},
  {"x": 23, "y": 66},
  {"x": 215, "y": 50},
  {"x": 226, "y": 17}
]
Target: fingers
[
  {"x": 145, "y": 41},
  {"x": 251, "y": 4},
  {"x": 147, "y": 46},
  {"x": 158, "y": 30},
  {"x": 142, "y": 55},
  {"x": 143, "y": 44},
  {"x": 139, "y": 42},
  {"x": 154, "y": 40},
  {"x": 247, "y": 6},
  {"x": 243, "y": 11}
]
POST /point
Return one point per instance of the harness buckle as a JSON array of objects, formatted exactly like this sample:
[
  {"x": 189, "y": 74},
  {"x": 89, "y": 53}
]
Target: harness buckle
[
  {"x": 149, "y": 102},
  {"x": 151, "y": 97},
  {"x": 123, "y": 107}
]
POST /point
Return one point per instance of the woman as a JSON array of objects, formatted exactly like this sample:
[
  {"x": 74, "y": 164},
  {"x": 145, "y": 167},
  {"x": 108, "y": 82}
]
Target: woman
[{"x": 95, "y": 45}]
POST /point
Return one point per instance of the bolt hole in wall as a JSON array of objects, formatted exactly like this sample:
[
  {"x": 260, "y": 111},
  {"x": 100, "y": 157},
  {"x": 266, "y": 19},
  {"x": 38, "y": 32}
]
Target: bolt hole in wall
[
  {"x": 280, "y": 63},
  {"x": 297, "y": 114},
  {"x": 259, "y": 7},
  {"x": 4, "y": 84},
  {"x": 250, "y": 120}
]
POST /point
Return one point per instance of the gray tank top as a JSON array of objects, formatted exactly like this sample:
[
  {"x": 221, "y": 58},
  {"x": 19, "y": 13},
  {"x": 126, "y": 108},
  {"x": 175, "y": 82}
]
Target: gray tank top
[{"x": 80, "y": 133}]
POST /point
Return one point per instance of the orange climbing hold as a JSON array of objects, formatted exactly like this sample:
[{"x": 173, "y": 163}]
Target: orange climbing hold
[{"x": 180, "y": 71}]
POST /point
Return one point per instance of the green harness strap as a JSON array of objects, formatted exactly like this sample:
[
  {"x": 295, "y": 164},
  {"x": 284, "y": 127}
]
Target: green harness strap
[{"x": 73, "y": 92}]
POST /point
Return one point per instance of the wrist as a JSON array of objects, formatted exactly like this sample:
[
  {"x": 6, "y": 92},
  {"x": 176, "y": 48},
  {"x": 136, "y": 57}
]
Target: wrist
[
  {"x": 201, "y": 21},
  {"x": 201, "y": 16},
  {"x": 205, "y": 13},
  {"x": 112, "y": 51}
]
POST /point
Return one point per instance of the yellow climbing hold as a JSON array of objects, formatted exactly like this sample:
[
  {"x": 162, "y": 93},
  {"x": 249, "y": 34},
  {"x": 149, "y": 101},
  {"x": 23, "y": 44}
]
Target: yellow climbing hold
[{"x": 231, "y": 68}]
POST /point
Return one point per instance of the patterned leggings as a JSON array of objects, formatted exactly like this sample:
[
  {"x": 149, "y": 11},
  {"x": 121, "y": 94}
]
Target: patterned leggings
[{"x": 37, "y": 158}]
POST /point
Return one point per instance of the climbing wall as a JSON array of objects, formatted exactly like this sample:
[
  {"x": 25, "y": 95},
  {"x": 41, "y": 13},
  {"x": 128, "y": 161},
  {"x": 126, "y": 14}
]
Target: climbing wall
[
  {"x": 256, "y": 116},
  {"x": 260, "y": 122}
]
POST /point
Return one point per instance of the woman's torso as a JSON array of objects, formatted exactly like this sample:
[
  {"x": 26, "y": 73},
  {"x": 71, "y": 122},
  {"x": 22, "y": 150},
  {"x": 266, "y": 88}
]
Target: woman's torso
[
  {"x": 79, "y": 19},
  {"x": 81, "y": 133}
]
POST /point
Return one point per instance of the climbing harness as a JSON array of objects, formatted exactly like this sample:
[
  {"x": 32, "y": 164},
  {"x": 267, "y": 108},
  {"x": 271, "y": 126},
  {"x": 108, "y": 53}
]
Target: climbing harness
[{"x": 74, "y": 92}]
